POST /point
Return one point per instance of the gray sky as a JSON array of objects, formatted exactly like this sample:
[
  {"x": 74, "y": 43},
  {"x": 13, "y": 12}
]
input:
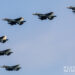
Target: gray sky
[{"x": 40, "y": 47}]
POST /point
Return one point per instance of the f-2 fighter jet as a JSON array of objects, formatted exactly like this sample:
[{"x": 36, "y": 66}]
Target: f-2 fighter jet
[
  {"x": 49, "y": 16},
  {"x": 19, "y": 21}
]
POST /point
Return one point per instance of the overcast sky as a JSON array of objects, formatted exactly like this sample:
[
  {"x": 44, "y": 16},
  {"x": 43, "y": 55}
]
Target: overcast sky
[{"x": 40, "y": 47}]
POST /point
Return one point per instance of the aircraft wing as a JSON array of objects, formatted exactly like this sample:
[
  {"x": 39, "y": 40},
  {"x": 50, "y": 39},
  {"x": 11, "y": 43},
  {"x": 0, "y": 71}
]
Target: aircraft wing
[
  {"x": 49, "y": 14},
  {"x": 18, "y": 19}
]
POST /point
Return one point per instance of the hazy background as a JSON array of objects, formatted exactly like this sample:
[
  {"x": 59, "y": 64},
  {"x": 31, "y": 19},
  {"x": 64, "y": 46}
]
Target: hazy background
[{"x": 40, "y": 47}]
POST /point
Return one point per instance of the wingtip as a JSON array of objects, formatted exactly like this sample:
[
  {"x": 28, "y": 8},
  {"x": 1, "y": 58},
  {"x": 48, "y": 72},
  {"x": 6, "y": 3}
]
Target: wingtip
[
  {"x": 33, "y": 14},
  {"x": 5, "y": 19},
  {"x": 68, "y": 7},
  {"x": 2, "y": 66}
]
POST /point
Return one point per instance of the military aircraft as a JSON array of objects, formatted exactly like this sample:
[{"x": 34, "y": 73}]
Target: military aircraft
[
  {"x": 3, "y": 39},
  {"x": 72, "y": 8},
  {"x": 19, "y": 21},
  {"x": 6, "y": 52},
  {"x": 49, "y": 16},
  {"x": 11, "y": 68}
]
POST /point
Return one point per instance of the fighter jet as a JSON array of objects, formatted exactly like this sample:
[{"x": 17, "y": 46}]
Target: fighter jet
[
  {"x": 19, "y": 21},
  {"x": 49, "y": 16},
  {"x": 72, "y": 8},
  {"x": 3, "y": 39},
  {"x": 6, "y": 52},
  {"x": 11, "y": 68}
]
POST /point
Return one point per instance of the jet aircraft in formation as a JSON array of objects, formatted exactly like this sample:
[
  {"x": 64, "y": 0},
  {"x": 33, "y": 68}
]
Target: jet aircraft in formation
[
  {"x": 19, "y": 21},
  {"x": 11, "y": 68},
  {"x": 6, "y": 52},
  {"x": 3, "y": 39},
  {"x": 49, "y": 16}
]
